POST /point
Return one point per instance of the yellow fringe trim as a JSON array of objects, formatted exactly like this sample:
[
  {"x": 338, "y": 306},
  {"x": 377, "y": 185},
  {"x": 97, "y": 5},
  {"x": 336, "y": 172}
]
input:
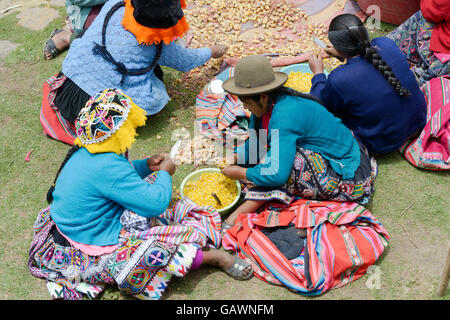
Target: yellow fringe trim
[{"x": 121, "y": 140}]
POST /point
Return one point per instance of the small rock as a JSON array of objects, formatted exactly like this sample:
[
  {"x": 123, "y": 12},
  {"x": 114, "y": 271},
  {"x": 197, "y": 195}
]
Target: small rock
[
  {"x": 37, "y": 18},
  {"x": 6, "y": 47}
]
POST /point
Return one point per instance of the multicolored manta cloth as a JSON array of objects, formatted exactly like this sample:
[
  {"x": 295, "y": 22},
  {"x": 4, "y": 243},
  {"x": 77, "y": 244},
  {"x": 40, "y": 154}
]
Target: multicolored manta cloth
[
  {"x": 413, "y": 37},
  {"x": 431, "y": 149},
  {"x": 150, "y": 252},
  {"x": 342, "y": 240},
  {"x": 53, "y": 123},
  {"x": 218, "y": 114}
]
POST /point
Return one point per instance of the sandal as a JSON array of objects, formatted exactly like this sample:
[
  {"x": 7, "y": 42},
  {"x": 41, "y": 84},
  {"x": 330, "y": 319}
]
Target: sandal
[
  {"x": 236, "y": 271},
  {"x": 50, "y": 47}
]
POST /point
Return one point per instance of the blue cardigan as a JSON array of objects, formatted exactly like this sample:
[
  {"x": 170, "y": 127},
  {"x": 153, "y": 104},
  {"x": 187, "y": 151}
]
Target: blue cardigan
[
  {"x": 93, "y": 190},
  {"x": 367, "y": 104},
  {"x": 305, "y": 123},
  {"x": 92, "y": 73}
]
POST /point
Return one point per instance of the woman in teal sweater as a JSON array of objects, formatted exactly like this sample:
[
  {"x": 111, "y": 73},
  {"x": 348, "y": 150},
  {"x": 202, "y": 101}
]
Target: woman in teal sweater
[
  {"x": 108, "y": 221},
  {"x": 310, "y": 153}
]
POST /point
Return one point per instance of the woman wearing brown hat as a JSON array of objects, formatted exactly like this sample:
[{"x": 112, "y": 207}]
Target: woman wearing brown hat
[{"x": 310, "y": 153}]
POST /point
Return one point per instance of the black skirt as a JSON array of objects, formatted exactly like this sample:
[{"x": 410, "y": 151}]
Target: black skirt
[{"x": 70, "y": 99}]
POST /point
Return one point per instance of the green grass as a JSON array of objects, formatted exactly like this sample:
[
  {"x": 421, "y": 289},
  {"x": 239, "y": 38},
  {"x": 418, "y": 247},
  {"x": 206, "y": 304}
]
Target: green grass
[{"x": 410, "y": 268}]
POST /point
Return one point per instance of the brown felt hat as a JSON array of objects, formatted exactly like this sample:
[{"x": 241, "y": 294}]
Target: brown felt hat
[{"x": 254, "y": 75}]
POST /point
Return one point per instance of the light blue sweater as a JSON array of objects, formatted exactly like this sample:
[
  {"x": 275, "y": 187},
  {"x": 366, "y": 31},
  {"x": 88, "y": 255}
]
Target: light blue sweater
[
  {"x": 92, "y": 73},
  {"x": 93, "y": 190},
  {"x": 305, "y": 123}
]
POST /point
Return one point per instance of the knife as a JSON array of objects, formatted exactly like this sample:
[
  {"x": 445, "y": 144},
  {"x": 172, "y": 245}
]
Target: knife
[
  {"x": 175, "y": 148},
  {"x": 322, "y": 44},
  {"x": 319, "y": 42}
]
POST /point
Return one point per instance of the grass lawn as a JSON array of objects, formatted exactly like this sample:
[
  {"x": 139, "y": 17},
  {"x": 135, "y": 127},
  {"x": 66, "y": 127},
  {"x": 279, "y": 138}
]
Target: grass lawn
[{"x": 409, "y": 269}]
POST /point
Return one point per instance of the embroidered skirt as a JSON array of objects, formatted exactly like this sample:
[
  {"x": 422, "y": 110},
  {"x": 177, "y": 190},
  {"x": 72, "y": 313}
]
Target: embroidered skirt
[
  {"x": 413, "y": 37},
  {"x": 312, "y": 177},
  {"x": 150, "y": 252}
]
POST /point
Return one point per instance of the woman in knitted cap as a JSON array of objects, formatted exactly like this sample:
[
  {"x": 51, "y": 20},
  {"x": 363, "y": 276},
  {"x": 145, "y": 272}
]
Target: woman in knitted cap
[
  {"x": 108, "y": 221},
  {"x": 123, "y": 49}
]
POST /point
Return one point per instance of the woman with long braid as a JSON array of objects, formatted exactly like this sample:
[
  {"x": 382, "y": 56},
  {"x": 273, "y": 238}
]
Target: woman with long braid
[{"x": 375, "y": 93}]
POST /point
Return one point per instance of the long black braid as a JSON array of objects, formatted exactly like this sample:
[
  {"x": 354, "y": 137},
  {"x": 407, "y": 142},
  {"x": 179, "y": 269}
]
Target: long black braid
[
  {"x": 349, "y": 36},
  {"x": 52, "y": 188}
]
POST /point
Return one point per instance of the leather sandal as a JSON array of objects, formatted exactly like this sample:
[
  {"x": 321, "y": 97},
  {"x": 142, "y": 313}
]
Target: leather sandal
[
  {"x": 50, "y": 47},
  {"x": 236, "y": 271}
]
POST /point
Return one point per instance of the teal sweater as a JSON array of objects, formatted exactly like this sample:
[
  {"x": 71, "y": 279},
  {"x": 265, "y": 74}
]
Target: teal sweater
[
  {"x": 305, "y": 123},
  {"x": 93, "y": 190}
]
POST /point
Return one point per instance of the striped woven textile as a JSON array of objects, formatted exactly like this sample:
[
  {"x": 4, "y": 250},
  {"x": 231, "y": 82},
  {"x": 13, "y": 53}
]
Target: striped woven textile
[
  {"x": 53, "y": 123},
  {"x": 431, "y": 149},
  {"x": 343, "y": 240},
  {"x": 185, "y": 222},
  {"x": 215, "y": 113}
]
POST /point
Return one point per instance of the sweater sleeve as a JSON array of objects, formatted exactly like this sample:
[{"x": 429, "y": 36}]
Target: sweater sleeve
[
  {"x": 141, "y": 168},
  {"x": 323, "y": 90},
  {"x": 275, "y": 167},
  {"x": 183, "y": 59},
  {"x": 248, "y": 152},
  {"x": 133, "y": 193}
]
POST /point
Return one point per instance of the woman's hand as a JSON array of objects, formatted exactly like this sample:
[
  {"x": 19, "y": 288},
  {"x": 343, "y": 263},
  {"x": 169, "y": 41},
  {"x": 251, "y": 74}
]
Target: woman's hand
[
  {"x": 331, "y": 51},
  {"x": 315, "y": 63},
  {"x": 218, "y": 50},
  {"x": 235, "y": 172},
  {"x": 154, "y": 162},
  {"x": 168, "y": 165}
]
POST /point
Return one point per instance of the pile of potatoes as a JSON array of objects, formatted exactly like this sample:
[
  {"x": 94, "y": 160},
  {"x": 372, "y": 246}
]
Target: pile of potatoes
[{"x": 276, "y": 28}]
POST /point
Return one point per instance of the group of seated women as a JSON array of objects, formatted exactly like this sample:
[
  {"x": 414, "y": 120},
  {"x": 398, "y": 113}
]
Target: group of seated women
[{"x": 103, "y": 208}]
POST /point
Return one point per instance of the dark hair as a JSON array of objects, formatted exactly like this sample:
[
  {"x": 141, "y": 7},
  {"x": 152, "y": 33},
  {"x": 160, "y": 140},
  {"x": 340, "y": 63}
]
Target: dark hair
[
  {"x": 349, "y": 36},
  {"x": 52, "y": 188}
]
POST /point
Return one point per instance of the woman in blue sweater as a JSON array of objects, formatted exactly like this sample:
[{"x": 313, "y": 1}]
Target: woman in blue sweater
[
  {"x": 108, "y": 220},
  {"x": 310, "y": 152},
  {"x": 124, "y": 48},
  {"x": 375, "y": 93}
]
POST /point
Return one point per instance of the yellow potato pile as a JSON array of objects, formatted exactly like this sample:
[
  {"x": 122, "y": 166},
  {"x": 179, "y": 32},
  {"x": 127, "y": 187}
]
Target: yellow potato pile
[
  {"x": 200, "y": 191},
  {"x": 277, "y": 27},
  {"x": 300, "y": 81}
]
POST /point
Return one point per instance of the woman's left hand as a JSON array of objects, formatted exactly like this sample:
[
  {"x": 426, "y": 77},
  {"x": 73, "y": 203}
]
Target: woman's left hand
[
  {"x": 316, "y": 63},
  {"x": 235, "y": 172}
]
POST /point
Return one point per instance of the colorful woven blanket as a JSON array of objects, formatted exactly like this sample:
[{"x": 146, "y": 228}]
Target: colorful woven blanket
[
  {"x": 217, "y": 113},
  {"x": 343, "y": 240}
]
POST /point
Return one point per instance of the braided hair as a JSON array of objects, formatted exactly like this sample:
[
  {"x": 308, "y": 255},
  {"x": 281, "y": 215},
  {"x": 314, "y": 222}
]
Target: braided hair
[
  {"x": 52, "y": 188},
  {"x": 349, "y": 36}
]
